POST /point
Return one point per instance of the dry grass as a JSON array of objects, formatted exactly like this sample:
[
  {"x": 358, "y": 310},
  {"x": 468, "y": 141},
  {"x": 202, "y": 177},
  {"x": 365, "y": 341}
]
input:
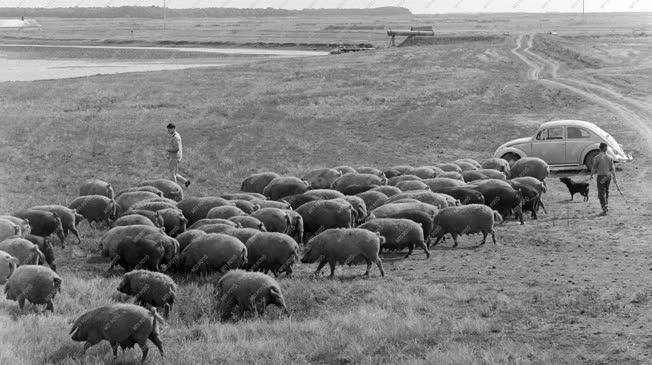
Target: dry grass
[
  {"x": 319, "y": 31},
  {"x": 569, "y": 288}
]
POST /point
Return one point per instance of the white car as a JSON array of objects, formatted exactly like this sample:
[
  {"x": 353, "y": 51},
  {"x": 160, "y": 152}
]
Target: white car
[{"x": 564, "y": 144}]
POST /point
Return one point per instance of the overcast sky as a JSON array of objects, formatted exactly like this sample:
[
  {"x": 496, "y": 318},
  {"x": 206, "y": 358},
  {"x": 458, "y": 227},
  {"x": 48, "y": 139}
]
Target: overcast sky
[{"x": 416, "y": 6}]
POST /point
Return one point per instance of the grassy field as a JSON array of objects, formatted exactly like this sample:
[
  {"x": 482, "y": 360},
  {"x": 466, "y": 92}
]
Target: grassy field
[
  {"x": 569, "y": 288},
  {"x": 318, "y": 31}
]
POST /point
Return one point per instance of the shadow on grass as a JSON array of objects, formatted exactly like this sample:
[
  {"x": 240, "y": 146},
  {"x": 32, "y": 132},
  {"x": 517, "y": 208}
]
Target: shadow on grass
[
  {"x": 584, "y": 217},
  {"x": 98, "y": 260},
  {"x": 400, "y": 256},
  {"x": 574, "y": 201},
  {"x": 99, "y": 354},
  {"x": 324, "y": 275},
  {"x": 14, "y": 311},
  {"x": 70, "y": 350},
  {"x": 355, "y": 277},
  {"x": 441, "y": 247}
]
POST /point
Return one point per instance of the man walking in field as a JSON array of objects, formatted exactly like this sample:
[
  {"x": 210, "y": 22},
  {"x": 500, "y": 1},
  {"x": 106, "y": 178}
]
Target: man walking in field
[
  {"x": 175, "y": 151},
  {"x": 603, "y": 165}
]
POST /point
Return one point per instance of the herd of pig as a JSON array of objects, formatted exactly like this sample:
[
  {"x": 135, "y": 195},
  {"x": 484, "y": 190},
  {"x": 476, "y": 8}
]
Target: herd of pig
[{"x": 344, "y": 215}]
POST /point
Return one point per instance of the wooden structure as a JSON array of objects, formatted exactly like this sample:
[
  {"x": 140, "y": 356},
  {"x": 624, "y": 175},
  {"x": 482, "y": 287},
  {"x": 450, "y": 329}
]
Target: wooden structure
[{"x": 426, "y": 31}]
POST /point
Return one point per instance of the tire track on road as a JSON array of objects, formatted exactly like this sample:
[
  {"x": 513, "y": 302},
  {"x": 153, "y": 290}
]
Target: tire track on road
[
  {"x": 631, "y": 111},
  {"x": 535, "y": 69},
  {"x": 582, "y": 83},
  {"x": 554, "y": 65}
]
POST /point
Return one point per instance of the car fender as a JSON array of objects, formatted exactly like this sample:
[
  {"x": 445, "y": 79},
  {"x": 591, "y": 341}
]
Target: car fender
[
  {"x": 587, "y": 149},
  {"x": 502, "y": 151}
]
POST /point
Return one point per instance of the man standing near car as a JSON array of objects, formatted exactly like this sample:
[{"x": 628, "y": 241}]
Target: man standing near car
[
  {"x": 603, "y": 166},
  {"x": 175, "y": 151}
]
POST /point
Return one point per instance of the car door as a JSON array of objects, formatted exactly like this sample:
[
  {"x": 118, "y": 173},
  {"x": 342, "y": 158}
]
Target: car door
[
  {"x": 550, "y": 145},
  {"x": 577, "y": 139}
]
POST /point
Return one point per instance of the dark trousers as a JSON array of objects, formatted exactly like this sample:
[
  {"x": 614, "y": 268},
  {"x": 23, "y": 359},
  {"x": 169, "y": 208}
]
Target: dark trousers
[{"x": 603, "y": 190}]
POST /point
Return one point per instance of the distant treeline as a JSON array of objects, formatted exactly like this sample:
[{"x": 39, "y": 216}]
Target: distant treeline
[{"x": 157, "y": 12}]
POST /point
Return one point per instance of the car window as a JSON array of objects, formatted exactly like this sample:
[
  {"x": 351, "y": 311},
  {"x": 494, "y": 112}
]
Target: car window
[
  {"x": 575, "y": 132},
  {"x": 556, "y": 133},
  {"x": 541, "y": 135}
]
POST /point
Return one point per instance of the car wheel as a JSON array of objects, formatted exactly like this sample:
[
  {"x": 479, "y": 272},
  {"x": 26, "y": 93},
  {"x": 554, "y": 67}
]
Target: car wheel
[
  {"x": 511, "y": 158},
  {"x": 588, "y": 160}
]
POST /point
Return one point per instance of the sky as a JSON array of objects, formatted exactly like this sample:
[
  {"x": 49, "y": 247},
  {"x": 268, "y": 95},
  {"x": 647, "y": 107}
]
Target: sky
[{"x": 416, "y": 6}]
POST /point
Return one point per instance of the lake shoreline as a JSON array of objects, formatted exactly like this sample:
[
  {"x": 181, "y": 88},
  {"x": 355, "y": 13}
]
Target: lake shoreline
[
  {"x": 183, "y": 43},
  {"x": 33, "y": 62}
]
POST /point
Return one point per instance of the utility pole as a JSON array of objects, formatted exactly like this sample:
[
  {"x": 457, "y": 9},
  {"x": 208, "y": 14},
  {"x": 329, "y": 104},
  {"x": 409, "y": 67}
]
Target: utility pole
[{"x": 164, "y": 15}]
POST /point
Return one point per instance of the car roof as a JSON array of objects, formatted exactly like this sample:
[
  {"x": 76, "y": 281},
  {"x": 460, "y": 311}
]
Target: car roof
[{"x": 575, "y": 123}]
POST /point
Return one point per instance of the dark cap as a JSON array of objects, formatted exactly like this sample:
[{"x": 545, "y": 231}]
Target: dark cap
[
  {"x": 603, "y": 146},
  {"x": 171, "y": 125}
]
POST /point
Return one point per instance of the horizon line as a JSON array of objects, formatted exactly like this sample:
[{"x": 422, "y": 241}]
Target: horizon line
[{"x": 303, "y": 9}]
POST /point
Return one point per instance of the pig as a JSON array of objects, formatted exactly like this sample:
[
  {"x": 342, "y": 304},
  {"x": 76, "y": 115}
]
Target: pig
[
  {"x": 344, "y": 246},
  {"x": 43, "y": 223},
  {"x": 95, "y": 208},
  {"x": 170, "y": 189},
  {"x": 34, "y": 283},
  {"x": 256, "y": 183},
  {"x": 321, "y": 178},
  {"x": 150, "y": 289},
  {"x": 323, "y": 214},
  {"x": 271, "y": 251},
  {"x": 398, "y": 234},
  {"x": 67, "y": 216},
  {"x": 284, "y": 186},
  {"x": 213, "y": 252},
  {"x": 121, "y": 325},
  {"x": 96, "y": 187},
  {"x": 248, "y": 291}
]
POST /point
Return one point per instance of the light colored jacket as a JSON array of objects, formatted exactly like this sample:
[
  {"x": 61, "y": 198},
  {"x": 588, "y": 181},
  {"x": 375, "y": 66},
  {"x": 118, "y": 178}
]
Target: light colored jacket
[
  {"x": 602, "y": 165},
  {"x": 174, "y": 144}
]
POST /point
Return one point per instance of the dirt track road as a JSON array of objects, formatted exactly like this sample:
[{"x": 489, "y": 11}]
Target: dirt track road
[{"x": 633, "y": 112}]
